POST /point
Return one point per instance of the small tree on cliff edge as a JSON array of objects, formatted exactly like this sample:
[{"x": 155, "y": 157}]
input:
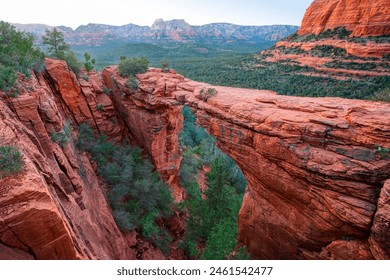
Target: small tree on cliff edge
[{"x": 57, "y": 47}]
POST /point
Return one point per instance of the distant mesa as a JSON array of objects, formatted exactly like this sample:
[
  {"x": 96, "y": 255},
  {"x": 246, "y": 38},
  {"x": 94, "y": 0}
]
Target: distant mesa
[{"x": 174, "y": 30}]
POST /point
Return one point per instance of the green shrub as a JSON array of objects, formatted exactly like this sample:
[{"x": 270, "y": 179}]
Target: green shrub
[
  {"x": 73, "y": 63},
  {"x": 221, "y": 242},
  {"x": 58, "y": 48},
  {"x": 100, "y": 107},
  {"x": 165, "y": 66},
  {"x": 106, "y": 90},
  {"x": 132, "y": 83},
  {"x": 189, "y": 247},
  {"x": 382, "y": 152},
  {"x": 11, "y": 161},
  {"x": 8, "y": 77},
  {"x": 328, "y": 51},
  {"x": 64, "y": 136},
  {"x": 133, "y": 66},
  {"x": 369, "y": 66},
  {"x": 382, "y": 95},
  {"x": 17, "y": 54},
  {"x": 218, "y": 212},
  {"x": 137, "y": 194},
  {"x": 192, "y": 134},
  {"x": 89, "y": 63},
  {"x": 206, "y": 93}
]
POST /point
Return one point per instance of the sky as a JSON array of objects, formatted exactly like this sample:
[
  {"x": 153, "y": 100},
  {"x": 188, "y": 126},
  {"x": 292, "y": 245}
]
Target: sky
[{"x": 73, "y": 13}]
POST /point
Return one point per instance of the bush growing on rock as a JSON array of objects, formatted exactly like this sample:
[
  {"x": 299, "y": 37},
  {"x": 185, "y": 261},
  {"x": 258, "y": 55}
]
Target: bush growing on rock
[
  {"x": 132, "y": 83},
  {"x": 8, "y": 77},
  {"x": 89, "y": 63},
  {"x": 11, "y": 161},
  {"x": 206, "y": 93},
  {"x": 64, "y": 136},
  {"x": 132, "y": 66}
]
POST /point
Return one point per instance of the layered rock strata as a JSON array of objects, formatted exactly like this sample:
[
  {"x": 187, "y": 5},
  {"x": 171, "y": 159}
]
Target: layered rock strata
[{"x": 362, "y": 17}]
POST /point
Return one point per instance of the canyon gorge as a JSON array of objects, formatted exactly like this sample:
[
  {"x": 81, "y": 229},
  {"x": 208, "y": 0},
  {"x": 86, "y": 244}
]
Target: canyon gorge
[
  {"x": 318, "y": 169},
  {"x": 316, "y": 184}
]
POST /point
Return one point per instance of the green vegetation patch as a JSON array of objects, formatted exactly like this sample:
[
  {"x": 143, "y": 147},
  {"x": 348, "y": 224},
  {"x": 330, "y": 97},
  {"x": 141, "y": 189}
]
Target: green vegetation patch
[
  {"x": 11, "y": 161},
  {"x": 58, "y": 48},
  {"x": 213, "y": 220},
  {"x": 129, "y": 67},
  {"x": 328, "y": 51},
  {"x": 137, "y": 194},
  {"x": 64, "y": 136},
  {"x": 350, "y": 65},
  {"x": 336, "y": 33},
  {"x": 17, "y": 54}
]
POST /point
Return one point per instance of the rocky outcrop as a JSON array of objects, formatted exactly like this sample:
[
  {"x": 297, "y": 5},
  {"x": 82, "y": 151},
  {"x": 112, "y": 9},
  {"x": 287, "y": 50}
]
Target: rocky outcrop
[
  {"x": 313, "y": 166},
  {"x": 362, "y": 17}
]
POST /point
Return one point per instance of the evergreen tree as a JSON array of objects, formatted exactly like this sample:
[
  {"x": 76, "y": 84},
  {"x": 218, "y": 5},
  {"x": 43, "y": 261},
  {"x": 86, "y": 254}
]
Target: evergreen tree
[
  {"x": 57, "y": 47},
  {"x": 89, "y": 63},
  {"x": 17, "y": 54}
]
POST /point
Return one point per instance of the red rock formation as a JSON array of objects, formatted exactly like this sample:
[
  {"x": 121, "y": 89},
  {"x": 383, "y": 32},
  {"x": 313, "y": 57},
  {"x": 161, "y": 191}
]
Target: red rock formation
[
  {"x": 362, "y": 17},
  {"x": 316, "y": 181},
  {"x": 56, "y": 208},
  {"x": 368, "y": 49},
  {"x": 311, "y": 164},
  {"x": 308, "y": 53}
]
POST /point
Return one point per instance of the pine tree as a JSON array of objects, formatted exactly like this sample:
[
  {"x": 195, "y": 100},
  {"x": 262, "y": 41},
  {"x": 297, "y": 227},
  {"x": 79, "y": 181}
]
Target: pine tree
[{"x": 57, "y": 47}]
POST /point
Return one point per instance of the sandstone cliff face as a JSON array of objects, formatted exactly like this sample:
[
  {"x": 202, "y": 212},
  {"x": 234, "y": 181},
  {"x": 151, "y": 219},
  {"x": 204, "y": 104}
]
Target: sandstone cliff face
[
  {"x": 56, "y": 208},
  {"x": 317, "y": 183},
  {"x": 153, "y": 122},
  {"x": 362, "y": 17}
]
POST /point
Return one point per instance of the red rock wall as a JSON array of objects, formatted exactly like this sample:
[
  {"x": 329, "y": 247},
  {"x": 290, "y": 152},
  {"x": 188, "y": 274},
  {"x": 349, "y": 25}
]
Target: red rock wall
[
  {"x": 154, "y": 123},
  {"x": 56, "y": 208},
  {"x": 362, "y": 17},
  {"x": 312, "y": 170}
]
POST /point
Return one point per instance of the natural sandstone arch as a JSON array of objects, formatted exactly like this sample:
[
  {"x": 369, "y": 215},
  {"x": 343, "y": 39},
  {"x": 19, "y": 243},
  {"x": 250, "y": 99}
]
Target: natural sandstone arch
[{"x": 313, "y": 171}]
